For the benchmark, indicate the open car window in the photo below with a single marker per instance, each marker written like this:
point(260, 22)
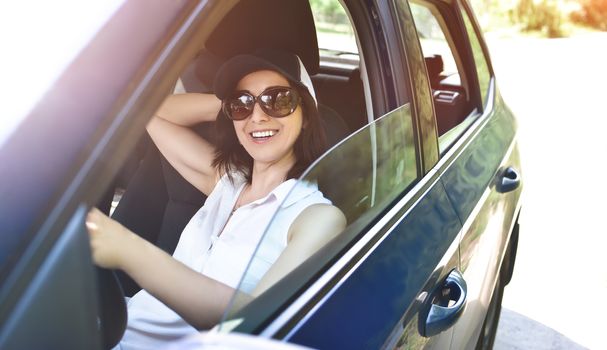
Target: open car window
point(362, 176)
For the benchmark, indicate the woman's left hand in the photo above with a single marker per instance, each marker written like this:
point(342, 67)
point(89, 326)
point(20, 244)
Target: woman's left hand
point(110, 241)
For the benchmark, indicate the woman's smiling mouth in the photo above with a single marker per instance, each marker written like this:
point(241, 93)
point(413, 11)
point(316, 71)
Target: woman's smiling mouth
point(262, 135)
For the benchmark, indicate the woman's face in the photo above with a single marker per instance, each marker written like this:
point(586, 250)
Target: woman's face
point(268, 140)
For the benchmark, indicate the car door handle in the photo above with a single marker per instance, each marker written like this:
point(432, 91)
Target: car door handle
point(508, 180)
point(446, 304)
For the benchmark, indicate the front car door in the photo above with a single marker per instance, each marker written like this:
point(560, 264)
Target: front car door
point(382, 280)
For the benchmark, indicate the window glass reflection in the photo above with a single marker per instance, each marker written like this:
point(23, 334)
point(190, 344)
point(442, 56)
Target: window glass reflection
point(362, 176)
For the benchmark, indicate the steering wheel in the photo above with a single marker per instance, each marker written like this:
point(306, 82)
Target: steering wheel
point(112, 314)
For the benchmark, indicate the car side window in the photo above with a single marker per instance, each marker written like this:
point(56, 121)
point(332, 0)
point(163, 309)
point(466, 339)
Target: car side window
point(362, 176)
point(451, 90)
point(438, 53)
point(482, 68)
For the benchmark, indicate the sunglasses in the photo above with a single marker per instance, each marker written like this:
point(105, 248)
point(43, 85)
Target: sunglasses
point(276, 101)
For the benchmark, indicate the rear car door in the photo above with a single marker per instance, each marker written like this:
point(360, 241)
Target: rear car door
point(483, 181)
point(478, 153)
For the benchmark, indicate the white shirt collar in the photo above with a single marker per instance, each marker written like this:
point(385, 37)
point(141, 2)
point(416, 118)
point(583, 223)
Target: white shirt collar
point(292, 191)
point(289, 192)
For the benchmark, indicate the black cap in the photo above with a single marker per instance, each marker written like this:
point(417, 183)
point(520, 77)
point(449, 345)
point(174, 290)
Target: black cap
point(283, 62)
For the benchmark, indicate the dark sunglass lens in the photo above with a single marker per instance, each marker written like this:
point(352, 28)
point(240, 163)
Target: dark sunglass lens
point(279, 102)
point(240, 107)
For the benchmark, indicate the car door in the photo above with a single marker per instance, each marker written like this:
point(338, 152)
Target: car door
point(483, 180)
point(478, 154)
point(383, 281)
point(58, 161)
point(390, 279)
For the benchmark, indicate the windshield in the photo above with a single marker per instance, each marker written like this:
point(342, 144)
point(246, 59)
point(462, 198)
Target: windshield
point(361, 176)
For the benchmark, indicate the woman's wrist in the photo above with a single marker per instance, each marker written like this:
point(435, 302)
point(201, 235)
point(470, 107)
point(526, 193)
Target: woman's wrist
point(141, 258)
point(131, 248)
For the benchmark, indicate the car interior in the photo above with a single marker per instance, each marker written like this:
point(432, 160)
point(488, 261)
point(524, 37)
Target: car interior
point(150, 198)
point(155, 201)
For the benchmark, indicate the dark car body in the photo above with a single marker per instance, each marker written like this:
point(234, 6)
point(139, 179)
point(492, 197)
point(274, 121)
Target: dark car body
point(428, 176)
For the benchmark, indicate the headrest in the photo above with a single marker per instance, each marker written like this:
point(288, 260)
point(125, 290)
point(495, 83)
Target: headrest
point(277, 24)
point(206, 67)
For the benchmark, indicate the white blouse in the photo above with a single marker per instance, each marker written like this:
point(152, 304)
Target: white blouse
point(223, 256)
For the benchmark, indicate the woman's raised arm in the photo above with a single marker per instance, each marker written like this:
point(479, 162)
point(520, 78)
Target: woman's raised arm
point(188, 153)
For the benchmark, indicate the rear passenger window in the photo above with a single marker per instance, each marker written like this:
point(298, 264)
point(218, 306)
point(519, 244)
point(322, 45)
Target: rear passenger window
point(451, 91)
point(438, 54)
point(480, 61)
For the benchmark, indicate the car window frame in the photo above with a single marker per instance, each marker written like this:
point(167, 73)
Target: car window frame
point(462, 40)
point(453, 26)
point(419, 84)
point(481, 115)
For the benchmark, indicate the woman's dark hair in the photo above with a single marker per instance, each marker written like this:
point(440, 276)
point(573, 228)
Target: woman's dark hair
point(231, 157)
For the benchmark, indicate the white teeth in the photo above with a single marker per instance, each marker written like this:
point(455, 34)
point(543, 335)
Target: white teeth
point(267, 133)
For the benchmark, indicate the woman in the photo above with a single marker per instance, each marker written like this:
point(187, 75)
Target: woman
point(269, 132)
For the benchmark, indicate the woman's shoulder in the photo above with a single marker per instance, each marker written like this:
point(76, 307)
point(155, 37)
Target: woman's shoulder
point(302, 193)
point(306, 203)
point(316, 222)
point(321, 212)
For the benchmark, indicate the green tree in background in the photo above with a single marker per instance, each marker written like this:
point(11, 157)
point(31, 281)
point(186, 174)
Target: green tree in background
point(329, 11)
